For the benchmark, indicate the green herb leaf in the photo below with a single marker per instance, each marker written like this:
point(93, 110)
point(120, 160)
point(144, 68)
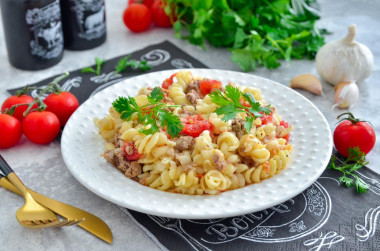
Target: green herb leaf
point(258, 33)
point(124, 63)
point(230, 105)
point(98, 62)
point(347, 181)
point(152, 116)
point(126, 107)
point(348, 169)
point(360, 185)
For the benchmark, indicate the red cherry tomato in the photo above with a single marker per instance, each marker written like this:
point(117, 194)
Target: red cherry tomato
point(130, 151)
point(41, 127)
point(168, 82)
point(195, 125)
point(207, 85)
point(353, 132)
point(10, 131)
point(159, 16)
point(137, 17)
point(147, 3)
point(62, 105)
point(14, 100)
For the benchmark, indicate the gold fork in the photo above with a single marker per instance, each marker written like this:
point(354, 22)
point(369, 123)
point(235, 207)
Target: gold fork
point(58, 223)
point(31, 214)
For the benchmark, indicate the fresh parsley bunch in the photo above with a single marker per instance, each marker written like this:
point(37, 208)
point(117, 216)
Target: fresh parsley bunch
point(257, 32)
point(153, 116)
point(230, 105)
point(355, 160)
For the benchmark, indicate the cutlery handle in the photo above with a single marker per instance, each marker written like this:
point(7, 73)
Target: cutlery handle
point(4, 182)
point(4, 167)
point(10, 174)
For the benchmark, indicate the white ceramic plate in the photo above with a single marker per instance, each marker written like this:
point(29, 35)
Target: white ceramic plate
point(311, 139)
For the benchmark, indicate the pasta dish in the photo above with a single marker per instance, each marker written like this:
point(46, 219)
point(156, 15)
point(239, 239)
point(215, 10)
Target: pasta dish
point(195, 136)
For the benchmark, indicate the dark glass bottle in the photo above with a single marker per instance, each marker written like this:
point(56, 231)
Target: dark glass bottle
point(84, 23)
point(33, 33)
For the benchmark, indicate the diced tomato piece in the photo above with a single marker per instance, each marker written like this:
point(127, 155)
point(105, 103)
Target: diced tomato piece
point(244, 102)
point(284, 123)
point(287, 137)
point(129, 147)
point(195, 125)
point(168, 82)
point(266, 119)
point(207, 85)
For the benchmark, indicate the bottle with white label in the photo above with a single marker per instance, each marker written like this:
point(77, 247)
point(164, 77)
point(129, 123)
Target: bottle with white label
point(84, 23)
point(33, 33)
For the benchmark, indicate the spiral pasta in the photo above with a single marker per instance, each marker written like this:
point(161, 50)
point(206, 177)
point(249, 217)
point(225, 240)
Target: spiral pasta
point(210, 156)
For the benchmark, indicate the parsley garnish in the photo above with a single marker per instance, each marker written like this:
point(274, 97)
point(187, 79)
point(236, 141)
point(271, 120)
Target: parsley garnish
point(355, 160)
point(99, 62)
point(230, 105)
point(153, 116)
point(124, 63)
point(257, 32)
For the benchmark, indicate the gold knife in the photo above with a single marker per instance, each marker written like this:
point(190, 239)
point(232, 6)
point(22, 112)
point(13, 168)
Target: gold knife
point(91, 223)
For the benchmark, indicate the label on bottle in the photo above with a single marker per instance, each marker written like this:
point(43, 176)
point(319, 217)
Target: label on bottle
point(46, 30)
point(90, 18)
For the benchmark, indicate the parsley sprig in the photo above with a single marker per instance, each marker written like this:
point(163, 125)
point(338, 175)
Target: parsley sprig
point(356, 159)
point(230, 105)
point(98, 62)
point(153, 116)
point(124, 63)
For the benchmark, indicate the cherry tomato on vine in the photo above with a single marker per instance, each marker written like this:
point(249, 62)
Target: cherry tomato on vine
point(195, 125)
point(41, 127)
point(352, 132)
point(137, 17)
point(208, 85)
point(160, 18)
point(10, 131)
point(147, 3)
point(62, 105)
point(130, 151)
point(15, 100)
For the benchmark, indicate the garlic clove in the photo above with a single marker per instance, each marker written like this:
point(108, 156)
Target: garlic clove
point(307, 82)
point(346, 95)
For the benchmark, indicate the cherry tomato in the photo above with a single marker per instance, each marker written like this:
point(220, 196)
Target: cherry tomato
point(208, 85)
point(195, 125)
point(352, 132)
point(135, 155)
point(137, 17)
point(41, 127)
point(159, 16)
point(168, 82)
point(147, 3)
point(62, 105)
point(14, 100)
point(10, 131)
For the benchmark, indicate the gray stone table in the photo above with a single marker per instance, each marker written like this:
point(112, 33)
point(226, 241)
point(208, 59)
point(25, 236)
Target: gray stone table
point(41, 166)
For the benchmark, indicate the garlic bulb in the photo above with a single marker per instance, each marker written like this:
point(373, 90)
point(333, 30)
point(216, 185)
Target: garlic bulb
point(344, 60)
point(346, 95)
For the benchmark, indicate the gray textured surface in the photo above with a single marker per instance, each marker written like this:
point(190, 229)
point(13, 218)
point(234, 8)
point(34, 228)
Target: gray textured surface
point(42, 167)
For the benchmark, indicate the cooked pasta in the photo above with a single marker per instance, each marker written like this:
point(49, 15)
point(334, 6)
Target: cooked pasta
point(210, 155)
